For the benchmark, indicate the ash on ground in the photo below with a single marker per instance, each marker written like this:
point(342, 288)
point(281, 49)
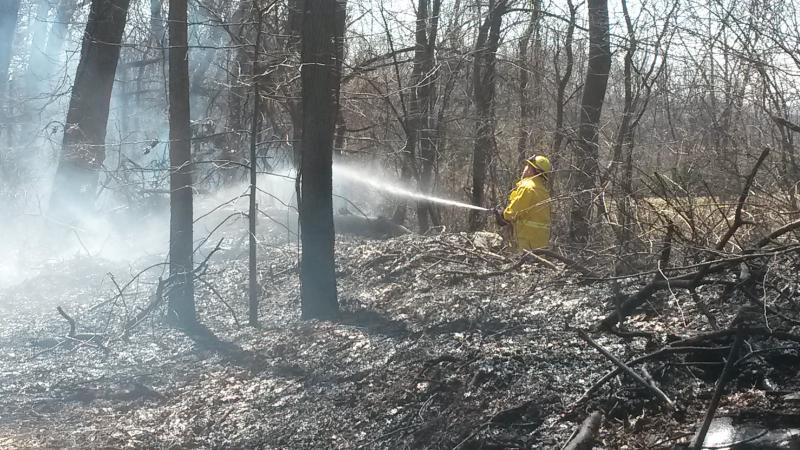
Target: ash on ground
point(445, 341)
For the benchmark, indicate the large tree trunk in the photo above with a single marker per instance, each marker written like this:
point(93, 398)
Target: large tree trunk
point(83, 145)
point(322, 34)
point(8, 25)
point(483, 95)
point(586, 149)
point(181, 293)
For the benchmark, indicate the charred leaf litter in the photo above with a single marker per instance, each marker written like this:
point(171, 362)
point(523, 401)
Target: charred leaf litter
point(445, 341)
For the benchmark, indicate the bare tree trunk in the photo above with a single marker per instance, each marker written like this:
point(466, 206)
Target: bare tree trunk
point(624, 141)
point(83, 145)
point(524, 125)
point(37, 62)
point(181, 294)
point(483, 94)
point(252, 213)
point(59, 32)
point(586, 149)
point(322, 33)
point(294, 30)
point(232, 153)
point(341, 126)
point(156, 22)
point(563, 81)
point(424, 86)
point(8, 26)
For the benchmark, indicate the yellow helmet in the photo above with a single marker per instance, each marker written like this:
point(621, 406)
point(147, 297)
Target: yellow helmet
point(540, 163)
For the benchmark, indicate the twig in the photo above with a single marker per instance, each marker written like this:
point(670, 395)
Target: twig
point(48, 349)
point(219, 297)
point(697, 442)
point(737, 217)
point(80, 241)
point(569, 262)
point(201, 268)
point(125, 286)
point(652, 388)
point(69, 319)
point(753, 353)
point(539, 259)
point(154, 302)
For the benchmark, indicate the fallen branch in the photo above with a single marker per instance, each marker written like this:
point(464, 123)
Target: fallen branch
point(697, 442)
point(687, 281)
point(583, 438)
point(686, 345)
point(695, 279)
point(652, 388)
point(82, 338)
point(789, 227)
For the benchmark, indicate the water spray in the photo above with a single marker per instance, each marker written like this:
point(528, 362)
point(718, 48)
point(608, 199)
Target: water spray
point(383, 185)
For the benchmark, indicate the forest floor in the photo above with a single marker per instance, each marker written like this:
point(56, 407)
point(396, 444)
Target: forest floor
point(445, 341)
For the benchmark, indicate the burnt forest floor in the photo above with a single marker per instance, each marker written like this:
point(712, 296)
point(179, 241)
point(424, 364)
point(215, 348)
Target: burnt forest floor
point(444, 342)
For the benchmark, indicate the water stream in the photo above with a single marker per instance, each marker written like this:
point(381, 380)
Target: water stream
point(359, 176)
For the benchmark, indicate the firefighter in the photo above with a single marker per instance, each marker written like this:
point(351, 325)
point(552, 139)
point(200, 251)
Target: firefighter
point(528, 210)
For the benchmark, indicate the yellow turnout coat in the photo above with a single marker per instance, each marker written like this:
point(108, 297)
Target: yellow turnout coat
point(528, 211)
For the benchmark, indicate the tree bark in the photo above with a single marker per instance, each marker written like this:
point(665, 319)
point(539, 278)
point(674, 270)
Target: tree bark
point(586, 147)
point(37, 62)
point(525, 110)
point(483, 95)
point(156, 23)
point(563, 81)
point(83, 144)
point(8, 26)
point(425, 90)
point(181, 294)
point(59, 32)
point(294, 31)
point(232, 153)
point(252, 214)
point(322, 34)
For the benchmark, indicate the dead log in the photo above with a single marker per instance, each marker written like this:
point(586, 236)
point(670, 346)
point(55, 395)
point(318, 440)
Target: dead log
point(583, 438)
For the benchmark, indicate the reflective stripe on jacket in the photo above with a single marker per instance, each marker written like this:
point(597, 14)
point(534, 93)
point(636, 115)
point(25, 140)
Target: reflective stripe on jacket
point(528, 211)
